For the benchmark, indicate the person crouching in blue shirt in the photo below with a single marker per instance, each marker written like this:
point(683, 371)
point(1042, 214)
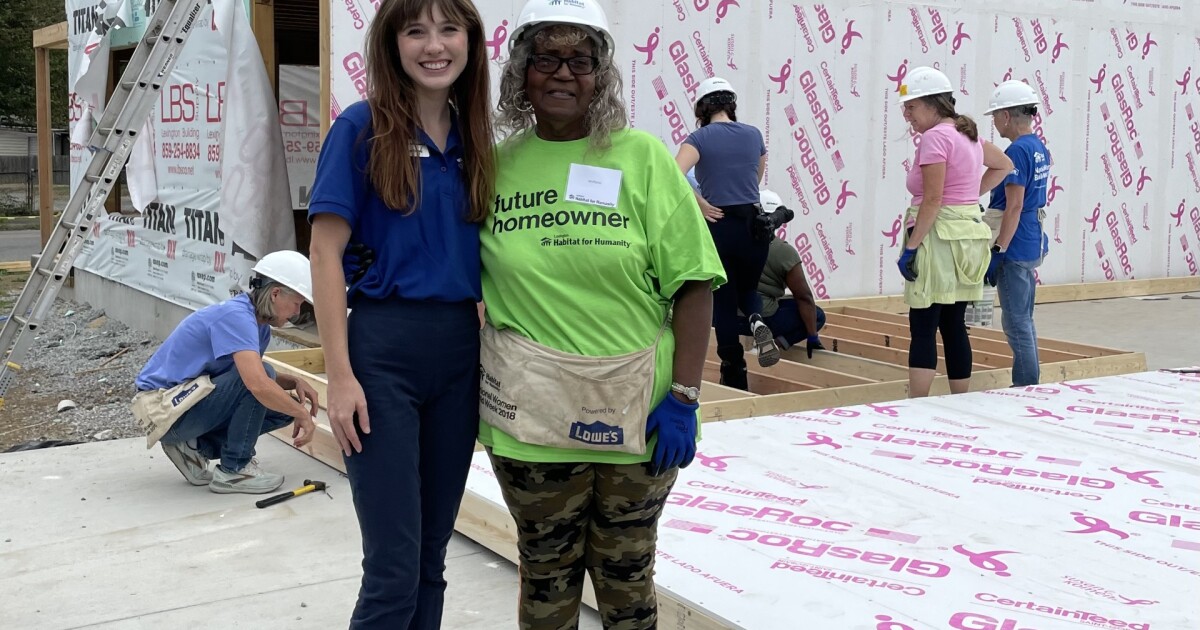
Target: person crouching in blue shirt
point(206, 394)
point(1020, 241)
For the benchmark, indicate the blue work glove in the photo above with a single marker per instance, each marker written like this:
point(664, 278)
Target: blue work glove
point(675, 422)
point(908, 264)
point(990, 277)
point(814, 343)
point(356, 259)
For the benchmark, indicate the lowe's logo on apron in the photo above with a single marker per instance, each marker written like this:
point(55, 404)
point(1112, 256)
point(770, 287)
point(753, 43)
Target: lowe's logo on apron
point(181, 396)
point(597, 433)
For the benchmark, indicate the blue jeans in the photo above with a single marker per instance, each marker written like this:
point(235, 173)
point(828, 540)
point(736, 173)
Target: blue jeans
point(786, 323)
point(226, 423)
point(418, 364)
point(1016, 284)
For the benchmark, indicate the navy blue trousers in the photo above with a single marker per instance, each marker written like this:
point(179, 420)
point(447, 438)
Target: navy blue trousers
point(418, 364)
point(743, 258)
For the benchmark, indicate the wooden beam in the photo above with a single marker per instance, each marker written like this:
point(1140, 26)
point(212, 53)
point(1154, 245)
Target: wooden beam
point(326, 26)
point(45, 146)
point(1048, 294)
point(311, 360)
point(847, 364)
point(262, 19)
point(759, 383)
point(984, 332)
point(794, 371)
point(978, 355)
point(51, 37)
point(712, 391)
point(985, 342)
point(317, 381)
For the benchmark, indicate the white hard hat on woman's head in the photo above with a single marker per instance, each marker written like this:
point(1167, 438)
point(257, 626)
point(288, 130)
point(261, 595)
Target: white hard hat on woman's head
point(769, 200)
point(712, 85)
point(924, 81)
point(587, 14)
point(289, 268)
point(1012, 93)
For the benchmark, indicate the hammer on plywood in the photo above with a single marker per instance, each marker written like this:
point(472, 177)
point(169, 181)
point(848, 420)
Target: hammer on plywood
point(309, 486)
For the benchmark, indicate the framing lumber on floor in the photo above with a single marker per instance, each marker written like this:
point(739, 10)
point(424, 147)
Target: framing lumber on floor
point(1045, 294)
point(870, 368)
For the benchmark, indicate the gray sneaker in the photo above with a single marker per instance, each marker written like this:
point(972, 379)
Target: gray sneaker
point(764, 342)
point(190, 462)
point(249, 480)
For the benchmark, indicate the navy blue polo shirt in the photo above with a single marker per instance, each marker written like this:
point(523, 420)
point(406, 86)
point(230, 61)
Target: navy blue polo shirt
point(1031, 169)
point(429, 254)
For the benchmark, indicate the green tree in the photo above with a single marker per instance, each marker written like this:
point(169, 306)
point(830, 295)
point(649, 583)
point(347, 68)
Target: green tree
point(18, 93)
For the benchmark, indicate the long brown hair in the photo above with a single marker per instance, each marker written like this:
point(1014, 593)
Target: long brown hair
point(392, 97)
point(944, 105)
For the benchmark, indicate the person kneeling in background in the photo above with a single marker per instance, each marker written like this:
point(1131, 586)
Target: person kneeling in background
point(206, 393)
point(794, 318)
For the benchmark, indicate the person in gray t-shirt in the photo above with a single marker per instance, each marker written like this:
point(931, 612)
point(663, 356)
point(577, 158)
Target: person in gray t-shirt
point(729, 158)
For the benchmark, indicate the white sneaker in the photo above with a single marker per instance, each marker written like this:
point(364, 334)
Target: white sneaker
point(249, 480)
point(764, 342)
point(190, 462)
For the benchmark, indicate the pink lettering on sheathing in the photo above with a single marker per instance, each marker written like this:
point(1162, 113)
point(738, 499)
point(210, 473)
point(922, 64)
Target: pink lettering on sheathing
point(986, 560)
point(817, 439)
point(689, 526)
point(1080, 387)
point(1186, 544)
point(891, 454)
point(1093, 525)
point(1116, 425)
point(1142, 476)
point(887, 623)
point(1035, 412)
point(891, 535)
point(1055, 460)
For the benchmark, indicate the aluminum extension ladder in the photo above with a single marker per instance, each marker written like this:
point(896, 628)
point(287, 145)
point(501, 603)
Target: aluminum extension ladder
point(132, 101)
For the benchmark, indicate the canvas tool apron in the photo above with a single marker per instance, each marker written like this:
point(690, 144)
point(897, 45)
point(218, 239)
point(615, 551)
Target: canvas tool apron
point(157, 410)
point(547, 397)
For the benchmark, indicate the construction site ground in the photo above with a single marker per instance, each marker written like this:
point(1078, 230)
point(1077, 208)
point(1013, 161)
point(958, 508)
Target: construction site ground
point(108, 535)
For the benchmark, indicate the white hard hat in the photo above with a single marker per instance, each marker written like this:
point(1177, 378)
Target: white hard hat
point(1012, 93)
point(712, 85)
point(288, 268)
point(588, 14)
point(924, 81)
point(769, 200)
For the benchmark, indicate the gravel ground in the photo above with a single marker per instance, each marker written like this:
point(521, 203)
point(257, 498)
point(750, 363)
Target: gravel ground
point(84, 357)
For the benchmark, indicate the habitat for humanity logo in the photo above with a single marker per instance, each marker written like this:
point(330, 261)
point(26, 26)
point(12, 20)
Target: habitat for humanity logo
point(578, 4)
point(597, 433)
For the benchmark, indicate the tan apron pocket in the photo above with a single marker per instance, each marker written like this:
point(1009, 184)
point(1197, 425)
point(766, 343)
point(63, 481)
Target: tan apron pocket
point(546, 397)
point(158, 410)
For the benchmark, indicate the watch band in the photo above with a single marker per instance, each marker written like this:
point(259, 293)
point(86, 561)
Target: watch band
point(691, 393)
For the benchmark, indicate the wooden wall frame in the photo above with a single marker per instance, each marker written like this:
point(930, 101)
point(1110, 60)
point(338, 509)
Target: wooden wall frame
point(865, 364)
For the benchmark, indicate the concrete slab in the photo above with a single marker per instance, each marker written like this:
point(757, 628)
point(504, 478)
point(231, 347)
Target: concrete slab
point(1161, 326)
point(109, 535)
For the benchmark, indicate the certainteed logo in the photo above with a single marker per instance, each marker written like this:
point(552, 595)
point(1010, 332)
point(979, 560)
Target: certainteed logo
point(597, 433)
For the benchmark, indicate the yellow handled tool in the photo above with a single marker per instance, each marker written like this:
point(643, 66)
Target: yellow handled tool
point(309, 486)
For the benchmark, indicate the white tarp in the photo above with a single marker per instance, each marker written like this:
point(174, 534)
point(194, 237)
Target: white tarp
point(820, 80)
point(1057, 506)
point(218, 189)
point(299, 117)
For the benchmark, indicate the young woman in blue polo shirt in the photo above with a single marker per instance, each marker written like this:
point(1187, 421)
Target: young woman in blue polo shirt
point(407, 174)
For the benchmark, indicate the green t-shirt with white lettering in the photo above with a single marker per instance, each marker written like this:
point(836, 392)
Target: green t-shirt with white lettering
point(582, 252)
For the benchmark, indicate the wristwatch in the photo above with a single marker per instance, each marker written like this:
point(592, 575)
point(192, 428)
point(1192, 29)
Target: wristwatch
point(996, 249)
point(691, 393)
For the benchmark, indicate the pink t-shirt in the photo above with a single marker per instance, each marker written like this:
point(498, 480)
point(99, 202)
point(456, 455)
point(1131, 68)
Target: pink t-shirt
point(964, 165)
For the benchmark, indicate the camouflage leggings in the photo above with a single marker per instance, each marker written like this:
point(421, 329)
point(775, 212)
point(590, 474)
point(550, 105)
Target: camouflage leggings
point(571, 518)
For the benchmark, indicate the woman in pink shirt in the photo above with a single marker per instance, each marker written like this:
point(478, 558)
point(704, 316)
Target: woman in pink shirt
point(946, 249)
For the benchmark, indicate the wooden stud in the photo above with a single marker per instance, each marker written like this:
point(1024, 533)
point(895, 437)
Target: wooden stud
point(847, 364)
point(760, 383)
point(816, 376)
point(45, 147)
point(711, 391)
point(885, 340)
point(51, 37)
point(262, 19)
point(325, 25)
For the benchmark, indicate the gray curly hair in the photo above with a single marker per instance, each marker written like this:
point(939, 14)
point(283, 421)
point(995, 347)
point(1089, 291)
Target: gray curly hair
point(606, 113)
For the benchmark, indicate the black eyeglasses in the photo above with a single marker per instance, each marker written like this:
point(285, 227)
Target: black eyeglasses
point(549, 64)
